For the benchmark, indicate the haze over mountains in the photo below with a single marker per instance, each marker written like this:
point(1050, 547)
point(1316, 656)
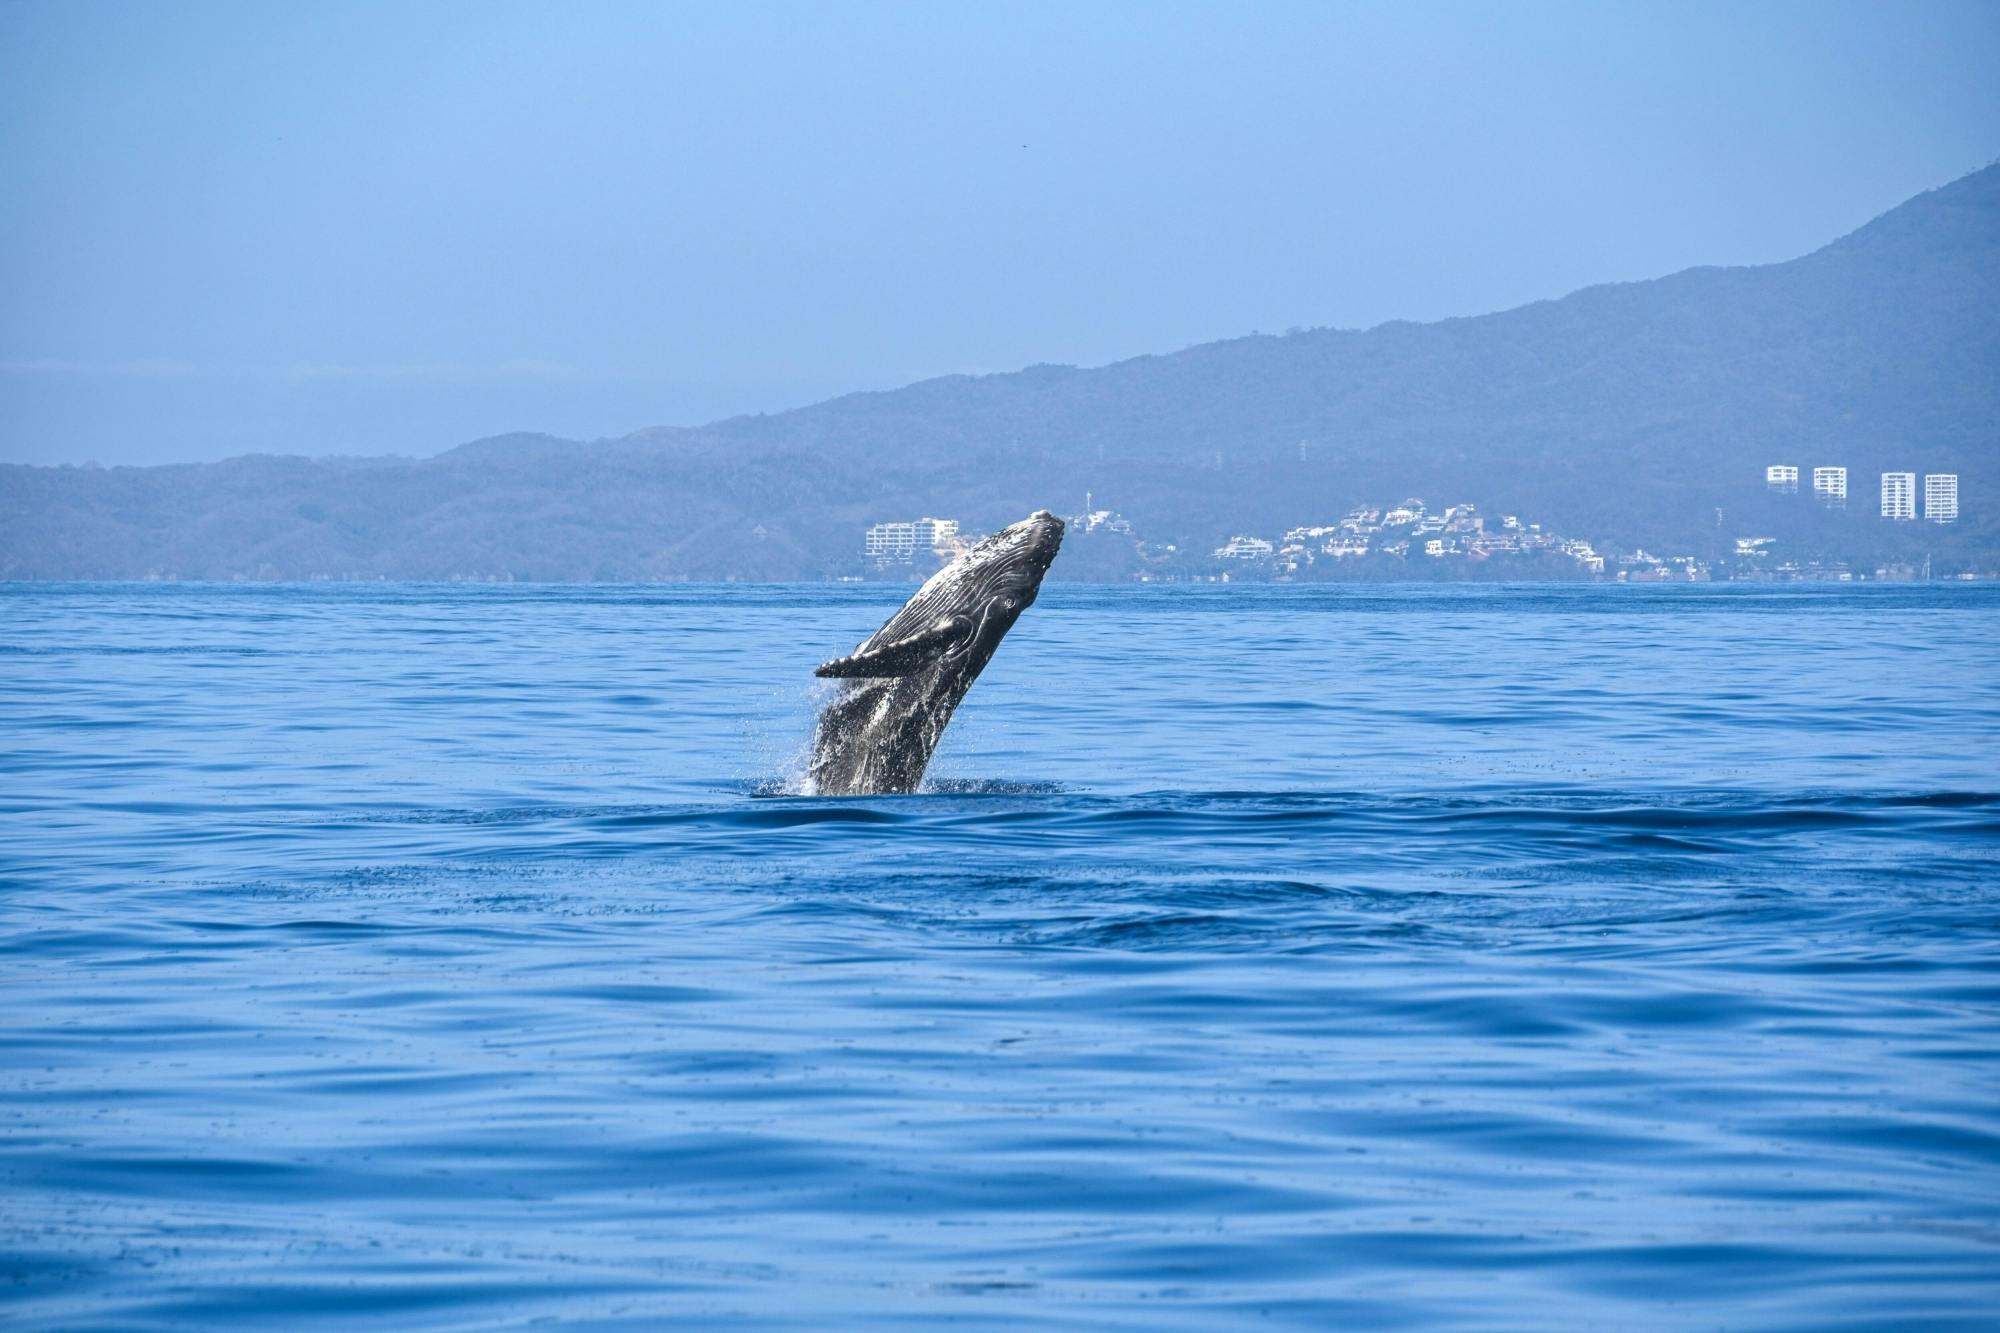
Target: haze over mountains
point(1627, 414)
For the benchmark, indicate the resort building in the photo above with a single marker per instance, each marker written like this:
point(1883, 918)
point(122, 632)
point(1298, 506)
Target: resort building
point(898, 543)
point(1783, 478)
point(890, 543)
point(1830, 485)
point(1586, 555)
point(943, 533)
point(1899, 495)
point(1245, 548)
point(1941, 497)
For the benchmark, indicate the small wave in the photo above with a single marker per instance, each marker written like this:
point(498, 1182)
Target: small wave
point(992, 787)
point(798, 788)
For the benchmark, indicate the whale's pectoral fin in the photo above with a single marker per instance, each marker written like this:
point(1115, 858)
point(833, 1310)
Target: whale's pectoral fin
point(904, 655)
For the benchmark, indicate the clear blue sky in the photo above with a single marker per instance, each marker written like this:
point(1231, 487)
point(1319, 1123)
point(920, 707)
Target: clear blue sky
point(354, 228)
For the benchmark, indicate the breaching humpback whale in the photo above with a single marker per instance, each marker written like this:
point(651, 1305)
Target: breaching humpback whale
point(900, 687)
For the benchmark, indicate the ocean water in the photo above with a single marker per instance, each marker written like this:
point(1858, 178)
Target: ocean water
point(433, 957)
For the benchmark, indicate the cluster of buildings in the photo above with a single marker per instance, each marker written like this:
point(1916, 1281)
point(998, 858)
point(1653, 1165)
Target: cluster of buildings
point(1411, 532)
point(1899, 491)
point(1460, 532)
point(899, 543)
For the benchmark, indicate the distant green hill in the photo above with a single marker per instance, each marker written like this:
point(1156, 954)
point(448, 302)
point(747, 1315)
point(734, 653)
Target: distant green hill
point(1627, 414)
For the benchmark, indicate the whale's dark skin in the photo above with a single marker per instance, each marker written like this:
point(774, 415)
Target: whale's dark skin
point(902, 684)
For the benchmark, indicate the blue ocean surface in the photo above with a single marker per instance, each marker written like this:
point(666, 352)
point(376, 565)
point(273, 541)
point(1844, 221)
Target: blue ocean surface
point(1419, 957)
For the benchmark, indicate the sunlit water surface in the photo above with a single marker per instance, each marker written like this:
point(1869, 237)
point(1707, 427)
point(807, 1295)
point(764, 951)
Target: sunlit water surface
point(1429, 957)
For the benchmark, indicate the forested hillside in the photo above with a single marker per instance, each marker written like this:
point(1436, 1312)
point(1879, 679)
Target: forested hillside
point(1626, 414)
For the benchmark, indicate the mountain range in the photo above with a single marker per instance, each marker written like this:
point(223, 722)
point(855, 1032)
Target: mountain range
point(1626, 414)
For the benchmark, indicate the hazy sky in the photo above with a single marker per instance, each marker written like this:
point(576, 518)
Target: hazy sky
point(351, 228)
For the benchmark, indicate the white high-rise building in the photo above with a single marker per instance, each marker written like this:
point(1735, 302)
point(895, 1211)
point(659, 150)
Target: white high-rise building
point(891, 543)
point(1783, 478)
point(1899, 495)
point(1941, 497)
point(898, 543)
point(1830, 484)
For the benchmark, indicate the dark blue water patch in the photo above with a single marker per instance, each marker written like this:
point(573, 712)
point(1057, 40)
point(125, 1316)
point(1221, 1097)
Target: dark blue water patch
point(447, 957)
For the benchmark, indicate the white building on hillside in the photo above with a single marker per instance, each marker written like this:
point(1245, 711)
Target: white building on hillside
point(1245, 548)
point(890, 543)
point(1092, 519)
point(1830, 485)
point(1783, 478)
point(1585, 554)
point(1941, 497)
point(898, 543)
point(1899, 495)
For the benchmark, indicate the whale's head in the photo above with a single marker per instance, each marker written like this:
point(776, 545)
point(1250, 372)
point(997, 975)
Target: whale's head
point(1006, 569)
point(960, 615)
